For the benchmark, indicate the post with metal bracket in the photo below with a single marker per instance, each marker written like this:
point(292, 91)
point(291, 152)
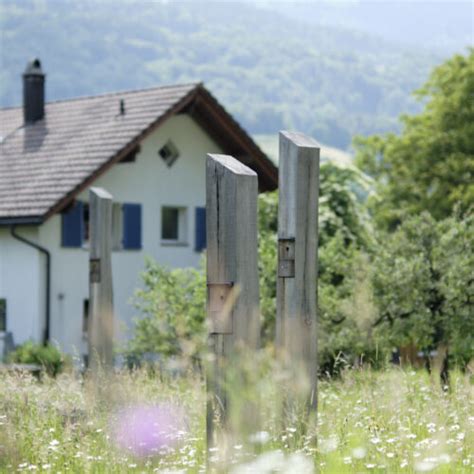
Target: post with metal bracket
point(232, 281)
point(101, 315)
point(296, 333)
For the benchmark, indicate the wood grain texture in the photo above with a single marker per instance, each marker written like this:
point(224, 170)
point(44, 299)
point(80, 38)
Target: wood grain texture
point(101, 317)
point(232, 261)
point(296, 331)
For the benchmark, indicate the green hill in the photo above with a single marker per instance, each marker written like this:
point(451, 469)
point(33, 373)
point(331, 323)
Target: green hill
point(270, 71)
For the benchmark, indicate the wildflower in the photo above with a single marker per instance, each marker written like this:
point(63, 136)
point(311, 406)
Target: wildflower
point(390, 455)
point(359, 453)
point(444, 458)
point(145, 430)
point(329, 444)
point(375, 440)
point(370, 466)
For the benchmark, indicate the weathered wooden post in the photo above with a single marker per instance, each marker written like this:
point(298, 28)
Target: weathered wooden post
point(232, 279)
point(297, 263)
point(101, 317)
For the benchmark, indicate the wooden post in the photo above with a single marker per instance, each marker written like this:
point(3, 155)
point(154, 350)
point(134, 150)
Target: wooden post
point(296, 334)
point(232, 278)
point(101, 316)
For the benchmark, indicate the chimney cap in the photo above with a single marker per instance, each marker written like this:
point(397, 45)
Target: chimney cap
point(33, 68)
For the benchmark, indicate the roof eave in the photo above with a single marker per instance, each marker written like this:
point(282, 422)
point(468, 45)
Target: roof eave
point(21, 220)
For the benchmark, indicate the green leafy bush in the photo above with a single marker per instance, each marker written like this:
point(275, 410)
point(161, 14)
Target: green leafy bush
point(49, 357)
point(172, 305)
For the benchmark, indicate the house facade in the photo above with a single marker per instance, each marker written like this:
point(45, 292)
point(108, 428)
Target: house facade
point(147, 149)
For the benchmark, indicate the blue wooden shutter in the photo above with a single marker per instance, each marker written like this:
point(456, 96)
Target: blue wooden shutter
point(200, 243)
point(72, 225)
point(132, 226)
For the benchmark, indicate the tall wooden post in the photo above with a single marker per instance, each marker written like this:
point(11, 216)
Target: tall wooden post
point(232, 278)
point(101, 316)
point(297, 262)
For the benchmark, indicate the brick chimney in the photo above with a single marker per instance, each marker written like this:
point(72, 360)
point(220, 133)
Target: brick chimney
point(33, 92)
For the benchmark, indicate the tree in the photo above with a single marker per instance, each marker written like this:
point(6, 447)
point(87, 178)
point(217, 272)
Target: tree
point(424, 286)
point(172, 302)
point(430, 165)
point(346, 312)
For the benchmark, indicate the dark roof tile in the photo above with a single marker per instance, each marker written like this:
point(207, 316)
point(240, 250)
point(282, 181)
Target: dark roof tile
point(42, 162)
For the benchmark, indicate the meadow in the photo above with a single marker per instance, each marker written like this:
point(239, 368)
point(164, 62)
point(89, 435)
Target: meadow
point(395, 421)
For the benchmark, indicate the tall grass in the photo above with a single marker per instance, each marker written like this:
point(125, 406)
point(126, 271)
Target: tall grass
point(389, 421)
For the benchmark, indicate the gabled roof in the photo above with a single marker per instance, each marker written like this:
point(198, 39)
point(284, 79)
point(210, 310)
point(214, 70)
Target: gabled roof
point(43, 166)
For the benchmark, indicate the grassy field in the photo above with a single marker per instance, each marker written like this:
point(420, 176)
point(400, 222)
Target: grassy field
point(394, 421)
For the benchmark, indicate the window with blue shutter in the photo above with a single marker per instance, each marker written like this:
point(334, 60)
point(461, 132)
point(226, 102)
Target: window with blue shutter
point(200, 243)
point(72, 225)
point(132, 226)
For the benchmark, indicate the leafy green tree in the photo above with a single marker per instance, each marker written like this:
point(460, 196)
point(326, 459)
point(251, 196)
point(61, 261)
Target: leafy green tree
point(346, 312)
point(430, 165)
point(424, 286)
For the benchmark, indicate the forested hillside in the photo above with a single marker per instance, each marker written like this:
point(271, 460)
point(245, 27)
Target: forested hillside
point(270, 71)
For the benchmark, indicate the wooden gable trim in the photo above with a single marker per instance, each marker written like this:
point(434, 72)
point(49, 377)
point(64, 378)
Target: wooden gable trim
point(64, 202)
point(226, 132)
point(215, 120)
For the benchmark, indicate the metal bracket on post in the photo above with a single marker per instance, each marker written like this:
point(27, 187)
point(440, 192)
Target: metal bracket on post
point(219, 311)
point(286, 258)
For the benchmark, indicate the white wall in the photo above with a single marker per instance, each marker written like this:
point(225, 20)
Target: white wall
point(150, 182)
point(22, 283)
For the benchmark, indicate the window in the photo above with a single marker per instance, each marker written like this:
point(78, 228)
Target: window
point(169, 153)
point(3, 314)
point(174, 225)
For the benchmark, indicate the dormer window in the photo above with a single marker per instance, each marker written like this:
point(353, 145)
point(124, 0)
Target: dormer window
point(131, 156)
point(169, 153)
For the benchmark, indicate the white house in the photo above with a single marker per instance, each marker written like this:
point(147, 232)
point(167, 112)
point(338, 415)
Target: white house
point(147, 148)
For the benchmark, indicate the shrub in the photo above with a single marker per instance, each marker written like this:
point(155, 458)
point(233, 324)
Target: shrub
point(173, 309)
point(49, 357)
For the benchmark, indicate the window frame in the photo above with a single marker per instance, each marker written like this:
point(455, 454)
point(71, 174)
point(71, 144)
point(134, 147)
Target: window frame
point(183, 228)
